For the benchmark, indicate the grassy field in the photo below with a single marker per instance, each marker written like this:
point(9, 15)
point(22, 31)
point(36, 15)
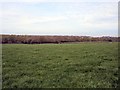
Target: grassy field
point(84, 65)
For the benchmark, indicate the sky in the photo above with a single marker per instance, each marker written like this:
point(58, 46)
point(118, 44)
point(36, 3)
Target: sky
point(88, 18)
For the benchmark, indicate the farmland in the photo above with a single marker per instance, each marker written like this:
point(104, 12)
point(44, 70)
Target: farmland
point(82, 65)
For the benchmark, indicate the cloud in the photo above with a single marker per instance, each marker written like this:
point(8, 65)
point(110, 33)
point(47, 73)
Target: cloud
point(25, 18)
point(18, 21)
point(103, 16)
point(40, 19)
point(72, 19)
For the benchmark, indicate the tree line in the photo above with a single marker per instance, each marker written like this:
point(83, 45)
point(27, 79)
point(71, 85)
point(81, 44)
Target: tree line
point(30, 39)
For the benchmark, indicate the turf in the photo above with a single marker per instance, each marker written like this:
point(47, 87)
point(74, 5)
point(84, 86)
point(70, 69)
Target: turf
point(82, 65)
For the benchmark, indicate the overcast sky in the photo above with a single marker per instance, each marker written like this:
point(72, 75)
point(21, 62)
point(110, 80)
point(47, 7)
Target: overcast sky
point(60, 18)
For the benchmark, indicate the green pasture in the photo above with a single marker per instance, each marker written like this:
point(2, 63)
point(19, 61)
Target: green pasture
point(81, 65)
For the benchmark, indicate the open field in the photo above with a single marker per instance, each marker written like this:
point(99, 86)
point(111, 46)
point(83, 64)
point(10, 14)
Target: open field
point(84, 65)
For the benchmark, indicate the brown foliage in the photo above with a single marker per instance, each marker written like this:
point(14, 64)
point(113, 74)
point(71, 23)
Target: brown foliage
point(29, 39)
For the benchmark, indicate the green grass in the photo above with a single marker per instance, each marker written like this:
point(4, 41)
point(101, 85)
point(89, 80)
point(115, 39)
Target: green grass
point(84, 65)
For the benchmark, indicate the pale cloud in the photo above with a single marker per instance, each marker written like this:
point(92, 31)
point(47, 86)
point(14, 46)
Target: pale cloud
point(18, 17)
point(102, 17)
point(41, 19)
point(20, 21)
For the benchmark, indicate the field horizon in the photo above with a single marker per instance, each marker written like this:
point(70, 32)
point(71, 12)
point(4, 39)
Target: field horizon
point(59, 44)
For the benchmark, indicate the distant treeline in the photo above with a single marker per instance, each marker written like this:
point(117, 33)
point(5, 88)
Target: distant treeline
point(30, 39)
